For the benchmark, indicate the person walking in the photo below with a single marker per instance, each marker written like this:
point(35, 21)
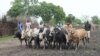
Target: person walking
point(88, 28)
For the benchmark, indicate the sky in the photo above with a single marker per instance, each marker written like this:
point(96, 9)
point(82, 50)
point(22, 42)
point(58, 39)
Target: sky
point(4, 6)
point(78, 8)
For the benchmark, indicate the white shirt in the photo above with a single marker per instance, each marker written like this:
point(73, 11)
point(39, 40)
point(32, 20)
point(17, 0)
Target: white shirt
point(28, 25)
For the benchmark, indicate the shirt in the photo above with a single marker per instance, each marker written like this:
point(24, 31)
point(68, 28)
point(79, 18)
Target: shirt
point(28, 25)
point(19, 27)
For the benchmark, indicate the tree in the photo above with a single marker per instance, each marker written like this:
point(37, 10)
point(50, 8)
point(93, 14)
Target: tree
point(77, 21)
point(16, 9)
point(59, 14)
point(52, 22)
point(21, 7)
point(70, 18)
point(48, 11)
point(95, 20)
point(28, 4)
point(45, 10)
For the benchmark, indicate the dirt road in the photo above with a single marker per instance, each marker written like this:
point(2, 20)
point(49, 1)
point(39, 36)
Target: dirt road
point(13, 48)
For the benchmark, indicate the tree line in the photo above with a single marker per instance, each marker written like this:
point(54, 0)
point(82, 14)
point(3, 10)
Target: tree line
point(50, 13)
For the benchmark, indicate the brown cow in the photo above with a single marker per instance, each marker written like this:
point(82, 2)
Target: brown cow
point(77, 35)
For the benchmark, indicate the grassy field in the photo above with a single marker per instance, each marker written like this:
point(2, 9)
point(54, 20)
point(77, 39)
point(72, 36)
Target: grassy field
point(4, 38)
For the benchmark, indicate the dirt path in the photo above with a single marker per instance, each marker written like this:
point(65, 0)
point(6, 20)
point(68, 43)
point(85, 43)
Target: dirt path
point(12, 48)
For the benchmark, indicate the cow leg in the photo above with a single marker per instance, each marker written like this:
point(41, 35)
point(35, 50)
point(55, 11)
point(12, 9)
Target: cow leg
point(69, 44)
point(61, 44)
point(26, 42)
point(77, 44)
point(30, 41)
point(38, 46)
point(20, 42)
point(87, 39)
point(54, 44)
point(48, 44)
point(37, 42)
point(30, 44)
point(83, 41)
point(57, 45)
point(45, 44)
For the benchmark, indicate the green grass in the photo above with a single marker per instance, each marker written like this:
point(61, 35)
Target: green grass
point(5, 38)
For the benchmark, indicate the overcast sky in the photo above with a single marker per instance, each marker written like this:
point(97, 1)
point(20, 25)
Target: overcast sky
point(75, 7)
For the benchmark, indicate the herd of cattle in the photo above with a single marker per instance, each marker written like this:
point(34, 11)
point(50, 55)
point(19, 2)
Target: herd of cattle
point(53, 37)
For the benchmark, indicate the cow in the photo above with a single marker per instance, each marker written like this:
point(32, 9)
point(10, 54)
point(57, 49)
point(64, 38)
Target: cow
point(40, 35)
point(35, 37)
point(67, 28)
point(48, 36)
point(19, 35)
point(29, 35)
point(59, 37)
point(76, 36)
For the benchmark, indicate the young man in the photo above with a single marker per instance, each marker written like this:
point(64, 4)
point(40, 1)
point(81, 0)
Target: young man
point(19, 27)
point(28, 25)
point(88, 28)
point(41, 27)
